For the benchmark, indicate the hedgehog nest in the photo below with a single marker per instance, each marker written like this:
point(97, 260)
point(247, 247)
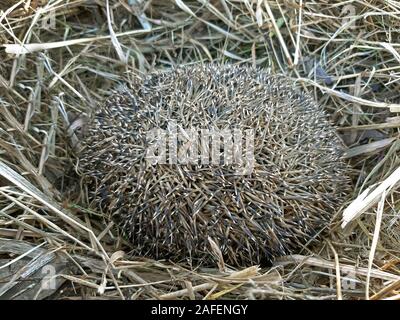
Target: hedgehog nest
point(202, 213)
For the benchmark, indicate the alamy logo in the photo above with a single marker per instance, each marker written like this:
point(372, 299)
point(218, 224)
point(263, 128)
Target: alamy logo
point(349, 19)
point(49, 20)
point(349, 281)
point(48, 280)
point(177, 145)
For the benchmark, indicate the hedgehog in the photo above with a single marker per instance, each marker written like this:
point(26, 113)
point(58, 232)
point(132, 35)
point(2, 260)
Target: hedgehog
point(264, 195)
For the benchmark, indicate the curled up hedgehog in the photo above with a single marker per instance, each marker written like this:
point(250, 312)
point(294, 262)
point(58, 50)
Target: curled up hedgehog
point(206, 162)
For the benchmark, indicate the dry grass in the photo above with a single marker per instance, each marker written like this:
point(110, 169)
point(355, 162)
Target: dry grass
point(345, 53)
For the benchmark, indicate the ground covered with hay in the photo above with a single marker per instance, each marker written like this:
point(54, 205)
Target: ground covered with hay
point(59, 59)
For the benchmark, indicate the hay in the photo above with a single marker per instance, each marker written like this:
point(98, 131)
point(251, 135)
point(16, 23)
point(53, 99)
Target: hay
point(344, 54)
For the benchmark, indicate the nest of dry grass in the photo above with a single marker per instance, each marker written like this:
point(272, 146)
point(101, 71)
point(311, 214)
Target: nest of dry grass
point(345, 54)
